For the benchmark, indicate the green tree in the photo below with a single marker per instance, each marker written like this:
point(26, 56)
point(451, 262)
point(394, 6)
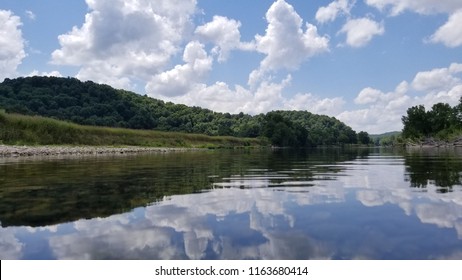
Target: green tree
point(416, 122)
point(363, 138)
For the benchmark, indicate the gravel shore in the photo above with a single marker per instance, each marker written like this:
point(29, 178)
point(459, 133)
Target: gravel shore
point(29, 151)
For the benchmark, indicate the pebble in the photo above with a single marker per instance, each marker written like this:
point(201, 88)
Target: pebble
point(28, 151)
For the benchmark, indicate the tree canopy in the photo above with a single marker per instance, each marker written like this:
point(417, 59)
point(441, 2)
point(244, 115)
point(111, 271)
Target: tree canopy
point(440, 121)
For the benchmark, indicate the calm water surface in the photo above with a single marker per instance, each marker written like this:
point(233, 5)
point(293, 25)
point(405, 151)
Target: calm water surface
point(299, 204)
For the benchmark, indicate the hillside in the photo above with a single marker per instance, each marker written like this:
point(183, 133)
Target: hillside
point(18, 129)
point(88, 103)
point(386, 139)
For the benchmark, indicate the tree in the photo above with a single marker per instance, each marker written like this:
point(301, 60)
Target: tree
point(441, 117)
point(363, 138)
point(416, 123)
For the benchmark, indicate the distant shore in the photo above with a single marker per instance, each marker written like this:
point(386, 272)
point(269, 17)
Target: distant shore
point(30, 151)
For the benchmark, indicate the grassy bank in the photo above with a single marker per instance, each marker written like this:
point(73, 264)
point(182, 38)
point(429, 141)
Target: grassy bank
point(34, 130)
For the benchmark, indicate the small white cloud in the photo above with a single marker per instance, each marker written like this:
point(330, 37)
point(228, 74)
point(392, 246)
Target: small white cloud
point(333, 10)
point(225, 34)
point(11, 44)
point(359, 32)
point(31, 15)
point(368, 95)
point(450, 34)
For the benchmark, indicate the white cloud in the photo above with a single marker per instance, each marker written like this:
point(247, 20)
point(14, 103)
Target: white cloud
point(286, 46)
point(182, 78)
point(285, 43)
point(225, 34)
point(10, 247)
point(125, 40)
point(418, 6)
point(385, 109)
point(31, 15)
point(359, 32)
point(437, 79)
point(11, 44)
point(450, 34)
point(368, 95)
point(221, 97)
point(47, 74)
point(314, 104)
point(334, 9)
point(268, 96)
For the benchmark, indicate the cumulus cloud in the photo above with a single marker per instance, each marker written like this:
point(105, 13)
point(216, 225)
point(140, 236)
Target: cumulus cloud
point(225, 34)
point(285, 44)
point(10, 247)
point(181, 79)
point(333, 10)
point(314, 104)
point(359, 32)
point(222, 97)
point(268, 96)
point(450, 34)
point(125, 40)
point(385, 109)
point(368, 95)
point(11, 44)
point(438, 79)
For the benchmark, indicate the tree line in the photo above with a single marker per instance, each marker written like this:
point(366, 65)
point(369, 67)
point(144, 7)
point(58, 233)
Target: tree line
point(89, 103)
point(441, 121)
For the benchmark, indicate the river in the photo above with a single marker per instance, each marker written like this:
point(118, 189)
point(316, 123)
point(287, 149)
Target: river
point(330, 203)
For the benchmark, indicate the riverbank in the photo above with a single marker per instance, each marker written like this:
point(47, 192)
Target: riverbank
point(431, 142)
point(33, 131)
point(31, 151)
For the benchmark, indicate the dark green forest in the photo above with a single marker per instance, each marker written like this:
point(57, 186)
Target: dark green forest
point(88, 103)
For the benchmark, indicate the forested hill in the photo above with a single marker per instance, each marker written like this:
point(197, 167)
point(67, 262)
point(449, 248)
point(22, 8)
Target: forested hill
point(94, 104)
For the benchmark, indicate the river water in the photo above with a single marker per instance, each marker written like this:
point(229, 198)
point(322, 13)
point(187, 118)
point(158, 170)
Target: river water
point(257, 204)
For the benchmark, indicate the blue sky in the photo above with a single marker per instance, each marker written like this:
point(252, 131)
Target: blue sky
point(364, 62)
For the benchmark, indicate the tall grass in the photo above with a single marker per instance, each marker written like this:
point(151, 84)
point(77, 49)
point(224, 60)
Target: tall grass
point(18, 129)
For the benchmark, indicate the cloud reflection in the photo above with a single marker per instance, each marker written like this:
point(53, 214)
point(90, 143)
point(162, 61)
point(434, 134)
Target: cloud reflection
point(10, 247)
point(347, 214)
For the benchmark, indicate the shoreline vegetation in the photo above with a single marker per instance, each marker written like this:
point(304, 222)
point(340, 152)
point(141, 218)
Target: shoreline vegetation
point(65, 112)
point(35, 135)
point(92, 104)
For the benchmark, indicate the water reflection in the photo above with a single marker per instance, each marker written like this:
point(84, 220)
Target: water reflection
point(323, 204)
point(439, 167)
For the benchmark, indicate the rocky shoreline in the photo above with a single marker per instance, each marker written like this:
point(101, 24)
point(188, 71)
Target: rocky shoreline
point(431, 142)
point(31, 151)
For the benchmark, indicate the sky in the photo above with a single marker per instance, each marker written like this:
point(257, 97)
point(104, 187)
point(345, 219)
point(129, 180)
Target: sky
point(364, 62)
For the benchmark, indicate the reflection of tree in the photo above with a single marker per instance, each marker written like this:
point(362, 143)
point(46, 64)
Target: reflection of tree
point(440, 168)
point(39, 193)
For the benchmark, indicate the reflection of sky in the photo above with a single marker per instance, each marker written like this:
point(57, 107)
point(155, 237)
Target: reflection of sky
point(367, 211)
